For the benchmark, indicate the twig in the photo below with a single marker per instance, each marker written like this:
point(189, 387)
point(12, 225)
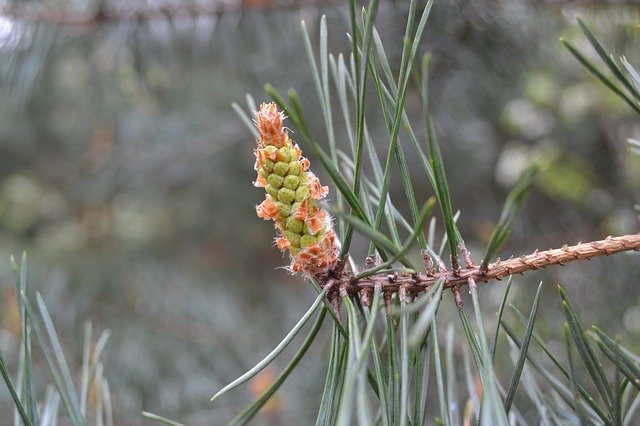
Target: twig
point(607, 3)
point(141, 12)
point(416, 283)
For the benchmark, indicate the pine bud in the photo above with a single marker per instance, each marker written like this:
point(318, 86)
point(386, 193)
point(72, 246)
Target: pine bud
point(292, 194)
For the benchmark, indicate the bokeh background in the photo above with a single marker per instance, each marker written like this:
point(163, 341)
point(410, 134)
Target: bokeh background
point(126, 176)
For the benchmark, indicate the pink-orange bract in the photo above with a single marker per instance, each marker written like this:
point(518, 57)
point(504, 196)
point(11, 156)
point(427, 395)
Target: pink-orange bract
point(292, 194)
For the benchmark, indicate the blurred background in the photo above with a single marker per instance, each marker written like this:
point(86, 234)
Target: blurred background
point(126, 176)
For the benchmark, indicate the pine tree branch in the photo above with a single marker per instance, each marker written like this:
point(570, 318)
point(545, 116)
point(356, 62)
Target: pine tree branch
point(340, 282)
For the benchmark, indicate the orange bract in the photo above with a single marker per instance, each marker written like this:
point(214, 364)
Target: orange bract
point(269, 123)
point(316, 190)
point(316, 222)
point(260, 182)
point(305, 164)
point(267, 209)
point(282, 243)
point(317, 258)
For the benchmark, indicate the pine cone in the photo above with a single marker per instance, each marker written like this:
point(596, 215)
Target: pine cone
point(292, 193)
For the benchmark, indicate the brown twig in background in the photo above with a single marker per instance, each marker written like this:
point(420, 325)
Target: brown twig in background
point(344, 282)
point(104, 13)
point(588, 2)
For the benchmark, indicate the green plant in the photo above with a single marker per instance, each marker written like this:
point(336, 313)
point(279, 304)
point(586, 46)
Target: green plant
point(380, 374)
point(91, 399)
point(386, 354)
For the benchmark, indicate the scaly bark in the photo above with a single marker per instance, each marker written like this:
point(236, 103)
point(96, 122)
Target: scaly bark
point(340, 281)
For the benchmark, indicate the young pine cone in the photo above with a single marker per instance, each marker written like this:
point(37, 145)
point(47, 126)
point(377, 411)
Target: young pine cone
point(291, 200)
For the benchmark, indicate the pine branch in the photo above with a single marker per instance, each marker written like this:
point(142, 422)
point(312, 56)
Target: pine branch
point(341, 282)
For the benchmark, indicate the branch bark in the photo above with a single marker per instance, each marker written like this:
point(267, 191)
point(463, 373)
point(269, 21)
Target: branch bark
point(341, 282)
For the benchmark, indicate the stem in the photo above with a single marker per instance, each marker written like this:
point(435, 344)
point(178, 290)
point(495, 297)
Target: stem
point(416, 283)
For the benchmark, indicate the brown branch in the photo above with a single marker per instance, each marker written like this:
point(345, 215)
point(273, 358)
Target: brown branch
point(39, 13)
point(607, 3)
point(344, 282)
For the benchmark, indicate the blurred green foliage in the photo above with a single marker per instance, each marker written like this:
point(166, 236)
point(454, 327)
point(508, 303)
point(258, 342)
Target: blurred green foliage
point(127, 177)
